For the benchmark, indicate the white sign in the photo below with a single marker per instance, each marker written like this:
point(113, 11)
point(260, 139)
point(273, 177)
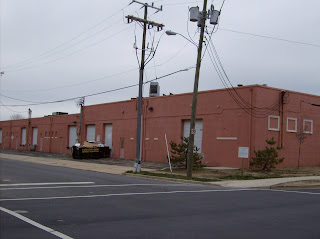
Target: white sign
point(243, 152)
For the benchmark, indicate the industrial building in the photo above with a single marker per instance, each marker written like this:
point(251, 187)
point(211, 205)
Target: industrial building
point(244, 116)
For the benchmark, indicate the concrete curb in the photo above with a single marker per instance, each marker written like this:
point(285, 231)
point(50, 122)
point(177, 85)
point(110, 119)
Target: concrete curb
point(170, 179)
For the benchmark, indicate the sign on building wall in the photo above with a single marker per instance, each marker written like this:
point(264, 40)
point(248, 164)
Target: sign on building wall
point(243, 152)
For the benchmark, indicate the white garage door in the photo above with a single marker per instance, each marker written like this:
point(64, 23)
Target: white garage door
point(108, 135)
point(91, 132)
point(72, 135)
point(23, 136)
point(198, 135)
point(34, 136)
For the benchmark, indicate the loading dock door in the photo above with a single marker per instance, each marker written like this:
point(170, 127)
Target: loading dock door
point(108, 135)
point(91, 132)
point(198, 135)
point(34, 136)
point(72, 135)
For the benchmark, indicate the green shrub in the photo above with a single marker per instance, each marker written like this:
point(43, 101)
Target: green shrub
point(179, 153)
point(266, 159)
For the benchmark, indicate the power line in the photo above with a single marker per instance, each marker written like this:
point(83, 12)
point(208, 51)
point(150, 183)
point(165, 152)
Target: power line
point(98, 79)
point(269, 37)
point(72, 52)
point(57, 47)
point(258, 112)
point(11, 109)
point(89, 95)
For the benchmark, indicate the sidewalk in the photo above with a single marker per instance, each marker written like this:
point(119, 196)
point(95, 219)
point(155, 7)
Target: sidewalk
point(120, 166)
point(112, 166)
point(268, 183)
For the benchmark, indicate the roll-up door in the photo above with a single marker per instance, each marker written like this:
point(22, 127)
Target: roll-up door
point(72, 135)
point(197, 136)
point(23, 136)
point(34, 136)
point(108, 135)
point(91, 132)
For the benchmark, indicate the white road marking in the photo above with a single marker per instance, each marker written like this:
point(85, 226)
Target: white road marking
point(39, 184)
point(123, 194)
point(96, 186)
point(33, 223)
point(154, 193)
point(290, 191)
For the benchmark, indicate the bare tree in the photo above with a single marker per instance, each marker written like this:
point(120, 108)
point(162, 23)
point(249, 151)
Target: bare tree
point(16, 117)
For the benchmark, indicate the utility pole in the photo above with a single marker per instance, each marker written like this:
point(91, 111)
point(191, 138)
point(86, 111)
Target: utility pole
point(80, 103)
point(201, 17)
point(1, 73)
point(149, 24)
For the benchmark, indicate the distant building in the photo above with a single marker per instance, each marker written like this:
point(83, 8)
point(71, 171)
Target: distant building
point(223, 125)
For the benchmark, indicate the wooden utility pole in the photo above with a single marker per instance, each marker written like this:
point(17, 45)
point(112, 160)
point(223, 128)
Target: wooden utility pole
point(149, 24)
point(195, 94)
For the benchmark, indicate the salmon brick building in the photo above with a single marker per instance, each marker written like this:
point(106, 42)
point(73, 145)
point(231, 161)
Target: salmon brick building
point(226, 119)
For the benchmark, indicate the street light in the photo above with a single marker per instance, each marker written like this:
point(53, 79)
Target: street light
point(172, 33)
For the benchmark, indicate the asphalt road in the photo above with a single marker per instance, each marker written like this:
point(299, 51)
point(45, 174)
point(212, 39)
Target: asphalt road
point(39, 201)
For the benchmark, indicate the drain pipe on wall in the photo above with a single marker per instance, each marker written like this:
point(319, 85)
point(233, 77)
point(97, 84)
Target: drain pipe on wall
point(165, 136)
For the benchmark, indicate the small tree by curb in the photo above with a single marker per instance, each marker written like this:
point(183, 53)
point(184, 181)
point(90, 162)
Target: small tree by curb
point(179, 153)
point(267, 159)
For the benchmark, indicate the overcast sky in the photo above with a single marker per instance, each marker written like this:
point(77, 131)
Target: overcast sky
point(59, 49)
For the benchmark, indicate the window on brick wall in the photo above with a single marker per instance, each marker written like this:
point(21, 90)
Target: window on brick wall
point(274, 123)
point(292, 125)
point(0, 136)
point(308, 126)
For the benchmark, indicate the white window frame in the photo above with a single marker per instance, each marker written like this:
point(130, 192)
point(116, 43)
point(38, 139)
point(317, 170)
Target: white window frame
point(304, 124)
point(273, 117)
point(295, 125)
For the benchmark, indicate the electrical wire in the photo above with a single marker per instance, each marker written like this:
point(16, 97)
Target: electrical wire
point(269, 37)
point(77, 84)
point(258, 112)
point(72, 52)
point(11, 109)
point(89, 95)
point(67, 42)
point(102, 78)
point(224, 72)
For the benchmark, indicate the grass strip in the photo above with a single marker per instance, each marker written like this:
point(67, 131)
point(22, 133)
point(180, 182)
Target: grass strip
point(167, 175)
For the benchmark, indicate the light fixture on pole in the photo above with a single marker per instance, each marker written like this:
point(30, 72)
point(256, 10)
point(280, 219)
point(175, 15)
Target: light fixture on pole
point(172, 33)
